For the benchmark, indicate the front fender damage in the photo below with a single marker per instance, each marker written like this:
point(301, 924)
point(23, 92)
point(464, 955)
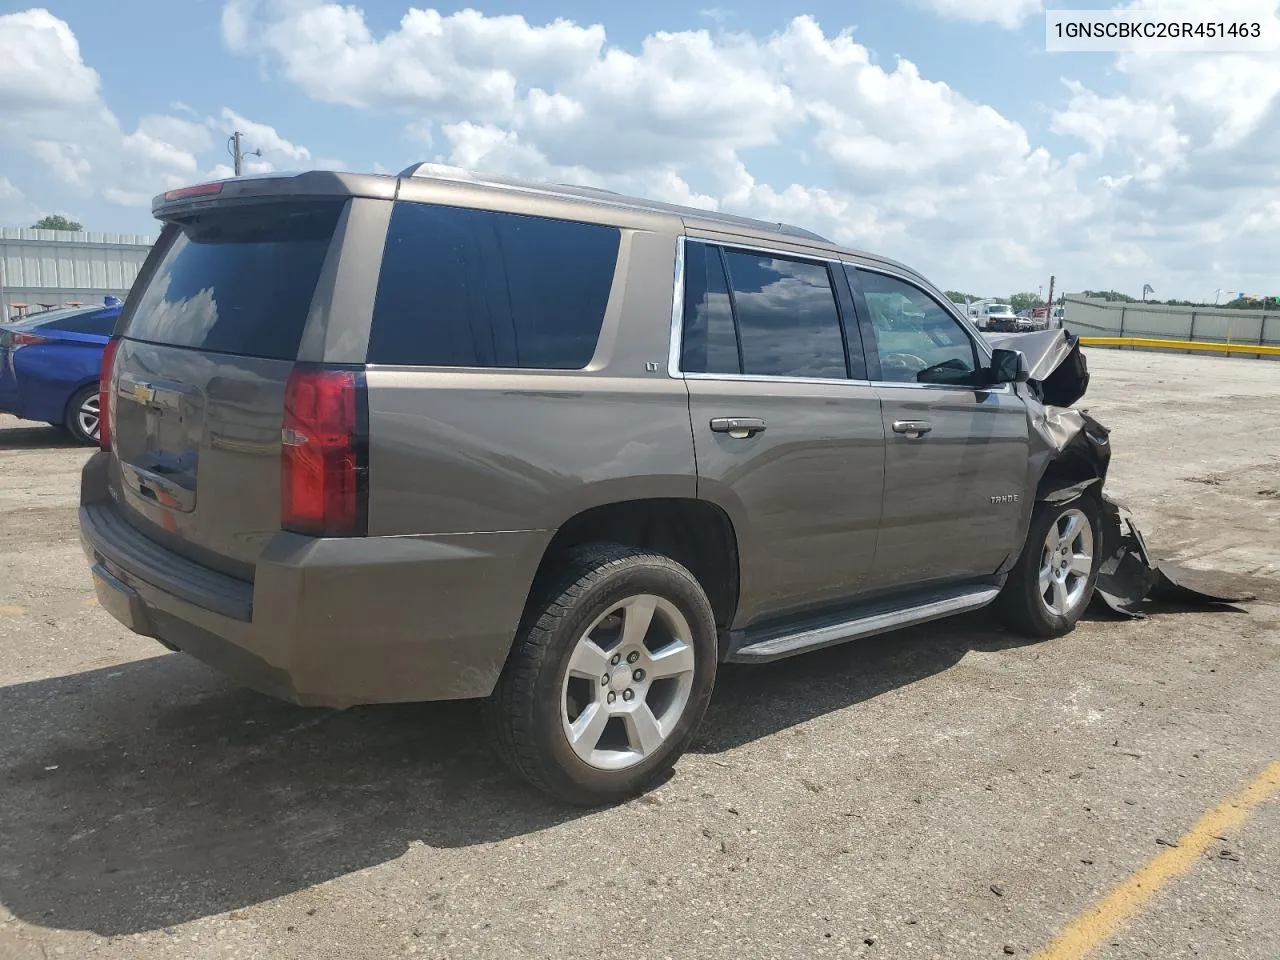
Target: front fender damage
point(1069, 455)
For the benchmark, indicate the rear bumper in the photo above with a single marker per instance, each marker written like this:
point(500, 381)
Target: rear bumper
point(325, 622)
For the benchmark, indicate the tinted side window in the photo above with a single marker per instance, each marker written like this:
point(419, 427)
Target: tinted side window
point(913, 332)
point(787, 317)
point(474, 288)
point(710, 340)
point(238, 281)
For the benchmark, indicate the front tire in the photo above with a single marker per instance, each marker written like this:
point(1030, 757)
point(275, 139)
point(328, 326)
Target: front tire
point(609, 677)
point(1052, 583)
point(83, 418)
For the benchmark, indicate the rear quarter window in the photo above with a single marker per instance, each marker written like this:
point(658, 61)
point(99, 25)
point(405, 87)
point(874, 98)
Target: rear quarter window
point(98, 324)
point(476, 288)
point(237, 281)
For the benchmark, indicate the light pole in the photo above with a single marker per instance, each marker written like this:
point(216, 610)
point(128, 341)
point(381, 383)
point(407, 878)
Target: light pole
point(238, 155)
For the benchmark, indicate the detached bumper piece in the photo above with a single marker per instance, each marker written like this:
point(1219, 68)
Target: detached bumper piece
point(1130, 582)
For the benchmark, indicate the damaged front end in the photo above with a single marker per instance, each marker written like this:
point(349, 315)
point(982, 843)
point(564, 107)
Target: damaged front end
point(1069, 454)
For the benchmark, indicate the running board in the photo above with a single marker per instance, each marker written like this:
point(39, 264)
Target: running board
point(881, 621)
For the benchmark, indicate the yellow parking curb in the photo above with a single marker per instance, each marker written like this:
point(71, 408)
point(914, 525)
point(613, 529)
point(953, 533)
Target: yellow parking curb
point(1262, 349)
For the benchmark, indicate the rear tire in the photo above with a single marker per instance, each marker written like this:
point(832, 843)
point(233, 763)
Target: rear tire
point(1052, 583)
point(83, 418)
point(609, 677)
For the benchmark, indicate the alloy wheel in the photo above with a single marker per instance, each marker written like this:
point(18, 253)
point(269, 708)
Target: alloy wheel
point(89, 417)
point(628, 682)
point(1066, 561)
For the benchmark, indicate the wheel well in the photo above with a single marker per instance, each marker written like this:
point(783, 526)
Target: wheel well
point(1068, 471)
point(694, 533)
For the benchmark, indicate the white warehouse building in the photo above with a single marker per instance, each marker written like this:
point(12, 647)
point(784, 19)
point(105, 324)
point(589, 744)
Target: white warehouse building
point(41, 269)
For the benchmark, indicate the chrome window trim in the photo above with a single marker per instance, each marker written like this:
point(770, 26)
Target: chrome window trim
point(677, 318)
point(1003, 388)
point(767, 378)
point(677, 315)
point(677, 325)
point(752, 248)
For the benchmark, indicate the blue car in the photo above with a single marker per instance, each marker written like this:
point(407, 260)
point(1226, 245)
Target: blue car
point(49, 365)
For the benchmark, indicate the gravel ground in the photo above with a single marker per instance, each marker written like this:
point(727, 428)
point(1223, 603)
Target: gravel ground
point(947, 791)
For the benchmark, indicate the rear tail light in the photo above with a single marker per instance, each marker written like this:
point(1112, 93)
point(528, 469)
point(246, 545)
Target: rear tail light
point(25, 340)
point(199, 190)
point(106, 408)
point(325, 453)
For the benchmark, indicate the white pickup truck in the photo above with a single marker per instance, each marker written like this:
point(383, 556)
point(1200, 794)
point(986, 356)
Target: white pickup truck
point(992, 315)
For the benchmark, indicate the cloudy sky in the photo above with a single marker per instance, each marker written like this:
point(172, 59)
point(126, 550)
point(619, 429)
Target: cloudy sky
point(936, 131)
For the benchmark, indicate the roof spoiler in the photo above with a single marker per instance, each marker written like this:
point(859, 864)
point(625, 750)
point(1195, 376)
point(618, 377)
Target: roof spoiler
point(262, 187)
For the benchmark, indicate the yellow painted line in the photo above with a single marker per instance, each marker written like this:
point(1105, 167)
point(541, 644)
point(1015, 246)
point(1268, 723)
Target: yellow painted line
point(1098, 923)
point(11, 610)
point(1261, 349)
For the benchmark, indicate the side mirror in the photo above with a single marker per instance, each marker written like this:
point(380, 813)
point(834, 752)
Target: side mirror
point(1008, 366)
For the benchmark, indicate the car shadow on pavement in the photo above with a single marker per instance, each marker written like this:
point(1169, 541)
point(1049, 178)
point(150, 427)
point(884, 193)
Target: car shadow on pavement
point(151, 793)
point(37, 437)
point(752, 702)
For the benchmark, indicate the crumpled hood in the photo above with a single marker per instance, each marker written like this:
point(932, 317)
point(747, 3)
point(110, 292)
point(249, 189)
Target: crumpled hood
point(1054, 363)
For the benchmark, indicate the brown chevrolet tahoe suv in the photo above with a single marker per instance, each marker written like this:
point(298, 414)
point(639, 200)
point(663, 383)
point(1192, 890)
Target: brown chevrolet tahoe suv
point(423, 437)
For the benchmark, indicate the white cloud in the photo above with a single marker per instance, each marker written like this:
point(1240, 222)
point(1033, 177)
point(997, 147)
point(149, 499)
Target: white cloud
point(261, 136)
point(66, 160)
point(898, 161)
point(1007, 13)
point(15, 208)
point(1145, 131)
point(51, 108)
point(188, 135)
point(1186, 152)
point(1168, 171)
point(41, 67)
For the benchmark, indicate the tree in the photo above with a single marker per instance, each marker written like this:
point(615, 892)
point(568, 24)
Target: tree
point(957, 297)
point(56, 221)
point(1251, 303)
point(1025, 301)
point(1110, 295)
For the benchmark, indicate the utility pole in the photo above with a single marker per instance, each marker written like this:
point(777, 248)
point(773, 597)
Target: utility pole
point(237, 154)
point(1051, 281)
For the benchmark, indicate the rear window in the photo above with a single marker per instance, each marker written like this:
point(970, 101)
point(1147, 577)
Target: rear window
point(474, 288)
point(238, 281)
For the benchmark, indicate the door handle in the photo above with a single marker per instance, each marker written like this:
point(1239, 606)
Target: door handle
point(738, 427)
point(912, 429)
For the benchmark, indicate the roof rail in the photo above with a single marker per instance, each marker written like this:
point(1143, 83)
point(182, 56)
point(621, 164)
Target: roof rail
point(458, 174)
point(417, 170)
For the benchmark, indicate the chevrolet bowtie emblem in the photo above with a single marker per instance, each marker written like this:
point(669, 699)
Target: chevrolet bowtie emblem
point(143, 392)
